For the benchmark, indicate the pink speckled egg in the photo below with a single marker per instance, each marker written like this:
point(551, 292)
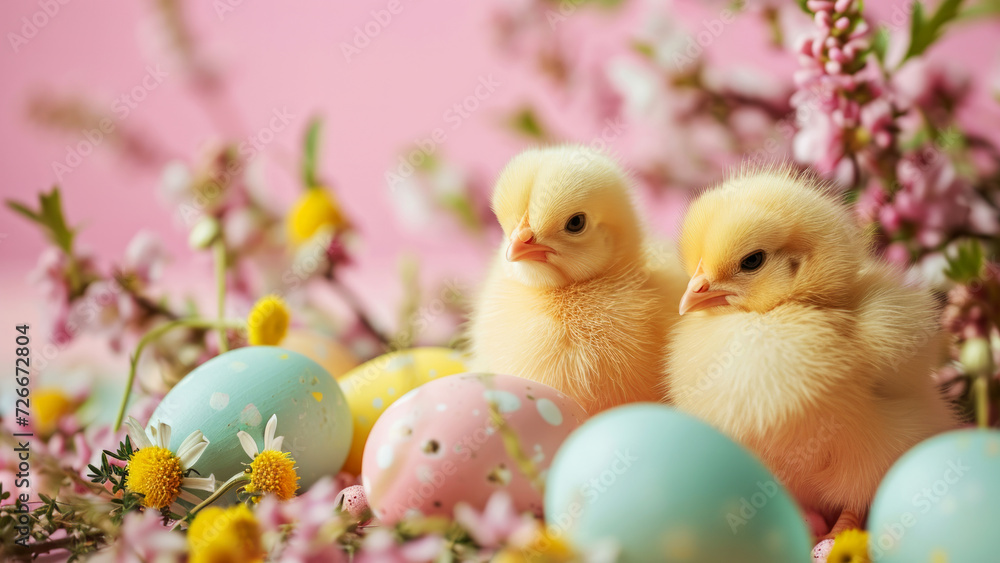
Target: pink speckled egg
point(437, 445)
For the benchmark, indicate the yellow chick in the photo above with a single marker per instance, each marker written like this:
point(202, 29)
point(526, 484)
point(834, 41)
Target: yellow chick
point(797, 342)
point(575, 298)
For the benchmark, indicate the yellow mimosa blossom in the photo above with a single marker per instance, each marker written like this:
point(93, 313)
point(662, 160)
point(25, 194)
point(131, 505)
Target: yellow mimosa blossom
point(268, 321)
point(316, 209)
point(50, 405)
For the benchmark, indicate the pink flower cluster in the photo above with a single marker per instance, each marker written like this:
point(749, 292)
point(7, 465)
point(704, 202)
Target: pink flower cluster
point(85, 300)
point(841, 104)
point(972, 309)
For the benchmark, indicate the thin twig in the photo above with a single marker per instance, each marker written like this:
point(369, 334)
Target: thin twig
point(355, 304)
point(153, 335)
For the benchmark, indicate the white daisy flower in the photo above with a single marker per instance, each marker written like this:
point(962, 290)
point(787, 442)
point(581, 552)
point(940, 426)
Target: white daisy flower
point(158, 473)
point(272, 470)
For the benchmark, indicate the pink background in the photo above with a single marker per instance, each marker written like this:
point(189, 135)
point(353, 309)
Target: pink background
point(288, 55)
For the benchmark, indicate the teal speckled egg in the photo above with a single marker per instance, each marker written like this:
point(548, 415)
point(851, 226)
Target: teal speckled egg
point(663, 486)
point(940, 502)
point(240, 390)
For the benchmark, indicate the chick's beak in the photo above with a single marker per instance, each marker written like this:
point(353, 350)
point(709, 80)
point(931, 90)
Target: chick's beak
point(699, 294)
point(523, 246)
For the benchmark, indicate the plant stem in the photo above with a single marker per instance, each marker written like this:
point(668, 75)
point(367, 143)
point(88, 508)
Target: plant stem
point(355, 304)
point(190, 322)
point(237, 479)
point(220, 283)
point(35, 549)
point(981, 388)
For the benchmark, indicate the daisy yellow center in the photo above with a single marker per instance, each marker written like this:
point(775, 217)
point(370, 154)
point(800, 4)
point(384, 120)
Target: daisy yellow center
point(229, 535)
point(268, 321)
point(155, 472)
point(273, 472)
point(314, 210)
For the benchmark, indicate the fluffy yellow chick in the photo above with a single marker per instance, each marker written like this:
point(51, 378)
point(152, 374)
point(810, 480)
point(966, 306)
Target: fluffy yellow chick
point(798, 343)
point(575, 298)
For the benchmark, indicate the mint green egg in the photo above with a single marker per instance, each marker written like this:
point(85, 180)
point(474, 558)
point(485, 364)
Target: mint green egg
point(240, 390)
point(940, 502)
point(660, 485)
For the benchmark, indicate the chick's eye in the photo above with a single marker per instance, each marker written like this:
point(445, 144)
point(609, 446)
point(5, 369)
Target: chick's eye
point(576, 223)
point(752, 261)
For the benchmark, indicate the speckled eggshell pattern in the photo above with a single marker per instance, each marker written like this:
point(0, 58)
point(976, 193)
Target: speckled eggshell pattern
point(664, 486)
point(240, 390)
point(940, 502)
point(374, 385)
point(437, 446)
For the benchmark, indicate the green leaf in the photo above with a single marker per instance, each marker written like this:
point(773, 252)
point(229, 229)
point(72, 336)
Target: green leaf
point(309, 152)
point(880, 44)
point(802, 5)
point(527, 122)
point(50, 217)
point(644, 48)
point(967, 263)
point(462, 207)
point(924, 32)
point(981, 9)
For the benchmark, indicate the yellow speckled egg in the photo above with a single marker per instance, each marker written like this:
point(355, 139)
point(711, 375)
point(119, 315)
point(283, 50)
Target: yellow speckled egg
point(375, 384)
point(322, 349)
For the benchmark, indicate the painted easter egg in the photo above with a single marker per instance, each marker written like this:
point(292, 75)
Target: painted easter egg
point(322, 349)
point(661, 485)
point(438, 445)
point(371, 387)
point(940, 501)
point(240, 390)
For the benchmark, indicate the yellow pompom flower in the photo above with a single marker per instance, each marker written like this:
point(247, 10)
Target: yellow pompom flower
point(50, 405)
point(267, 322)
point(316, 209)
point(850, 546)
point(225, 535)
point(157, 473)
point(272, 471)
point(545, 547)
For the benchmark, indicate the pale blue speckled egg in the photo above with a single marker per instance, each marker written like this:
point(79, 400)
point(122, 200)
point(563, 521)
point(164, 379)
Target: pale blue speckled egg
point(240, 390)
point(663, 486)
point(940, 503)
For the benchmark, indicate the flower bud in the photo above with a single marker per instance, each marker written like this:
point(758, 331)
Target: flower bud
point(976, 356)
point(204, 233)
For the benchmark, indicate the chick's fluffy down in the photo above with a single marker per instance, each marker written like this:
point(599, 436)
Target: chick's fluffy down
point(820, 362)
point(592, 318)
